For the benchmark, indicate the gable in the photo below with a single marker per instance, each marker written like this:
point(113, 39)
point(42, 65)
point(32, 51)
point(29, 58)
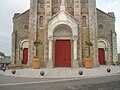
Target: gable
point(104, 16)
point(62, 18)
point(62, 15)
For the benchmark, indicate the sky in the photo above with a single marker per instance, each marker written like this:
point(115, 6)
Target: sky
point(9, 7)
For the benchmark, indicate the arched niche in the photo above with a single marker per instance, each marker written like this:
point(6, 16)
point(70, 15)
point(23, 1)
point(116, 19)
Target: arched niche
point(62, 31)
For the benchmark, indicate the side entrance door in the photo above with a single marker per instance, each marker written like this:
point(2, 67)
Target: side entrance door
point(101, 56)
point(25, 56)
point(62, 53)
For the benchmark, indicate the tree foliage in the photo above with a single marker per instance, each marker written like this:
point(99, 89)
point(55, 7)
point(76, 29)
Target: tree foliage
point(2, 54)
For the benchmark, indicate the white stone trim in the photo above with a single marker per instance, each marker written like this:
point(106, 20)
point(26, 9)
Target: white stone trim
point(20, 55)
point(75, 49)
point(63, 19)
point(106, 48)
point(50, 49)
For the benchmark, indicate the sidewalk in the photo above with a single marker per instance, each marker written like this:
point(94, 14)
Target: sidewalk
point(63, 72)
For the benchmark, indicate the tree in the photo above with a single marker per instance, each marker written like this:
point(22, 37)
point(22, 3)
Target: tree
point(89, 44)
point(2, 54)
point(36, 44)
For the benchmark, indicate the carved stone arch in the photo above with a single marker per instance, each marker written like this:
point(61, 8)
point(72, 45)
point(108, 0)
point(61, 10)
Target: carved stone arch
point(23, 43)
point(58, 25)
point(73, 28)
point(62, 18)
point(62, 30)
point(104, 43)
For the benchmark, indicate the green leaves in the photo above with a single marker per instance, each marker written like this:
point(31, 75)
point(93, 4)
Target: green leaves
point(88, 43)
point(37, 42)
point(2, 54)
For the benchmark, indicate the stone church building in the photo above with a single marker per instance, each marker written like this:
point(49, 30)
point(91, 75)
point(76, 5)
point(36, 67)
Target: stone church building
point(63, 27)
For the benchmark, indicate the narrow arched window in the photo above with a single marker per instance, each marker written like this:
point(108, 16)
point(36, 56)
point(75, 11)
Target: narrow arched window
point(84, 21)
point(41, 21)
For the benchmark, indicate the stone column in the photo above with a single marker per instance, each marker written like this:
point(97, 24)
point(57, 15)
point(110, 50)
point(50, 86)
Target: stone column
point(50, 62)
point(75, 49)
point(75, 60)
point(20, 55)
point(50, 49)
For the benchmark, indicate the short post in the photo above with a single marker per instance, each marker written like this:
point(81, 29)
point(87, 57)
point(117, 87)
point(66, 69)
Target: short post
point(80, 72)
point(13, 71)
point(4, 69)
point(42, 73)
point(108, 70)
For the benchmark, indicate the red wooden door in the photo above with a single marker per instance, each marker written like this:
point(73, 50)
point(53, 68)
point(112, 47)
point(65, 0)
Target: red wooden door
point(101, 56)
point(63, 53)
point(25, 55)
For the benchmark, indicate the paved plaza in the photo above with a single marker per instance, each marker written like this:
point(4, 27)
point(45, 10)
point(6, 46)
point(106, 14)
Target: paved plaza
point(63, 72)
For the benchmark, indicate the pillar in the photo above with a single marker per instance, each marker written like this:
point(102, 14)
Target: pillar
point(75, 49)
point(50, 49)
point(75, 60)
point(50, 62)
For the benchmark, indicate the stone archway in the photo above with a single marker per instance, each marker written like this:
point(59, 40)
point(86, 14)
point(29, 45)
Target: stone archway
point(62, 46)
point(23, 52)
point(67, 27)
point(103, 51)
point(62, 31)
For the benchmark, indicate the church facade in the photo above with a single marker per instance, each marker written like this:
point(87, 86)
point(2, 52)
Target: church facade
point(63, 27)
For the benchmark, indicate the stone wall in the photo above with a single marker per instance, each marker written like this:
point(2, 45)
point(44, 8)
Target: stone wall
point(106, 26)
point(33, 24)
point(20, 32)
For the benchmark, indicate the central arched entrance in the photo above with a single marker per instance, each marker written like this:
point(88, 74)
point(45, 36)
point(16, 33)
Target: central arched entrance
point(62, 36)
point(62, 32)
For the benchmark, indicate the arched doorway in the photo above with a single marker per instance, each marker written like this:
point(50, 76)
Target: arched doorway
point(103, 51)
point(24, 51)
point(62, 28)
point(62, 36)
point(25, 56)
point(101, 56)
